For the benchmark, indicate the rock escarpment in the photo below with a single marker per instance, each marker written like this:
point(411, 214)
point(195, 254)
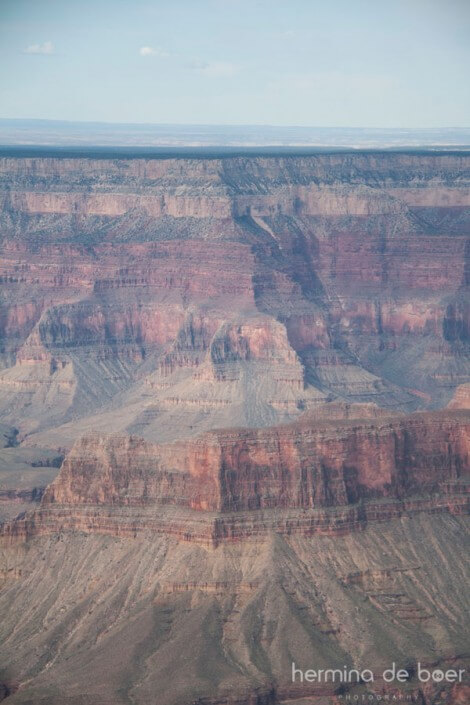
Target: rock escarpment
point(227, 352)
point(304, 477)
point(235, 291)
point(299, 466)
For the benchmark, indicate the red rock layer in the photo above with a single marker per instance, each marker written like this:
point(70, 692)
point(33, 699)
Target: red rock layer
point(109, 295)
point(303, 477)
point(298, 466)
point(360, 257)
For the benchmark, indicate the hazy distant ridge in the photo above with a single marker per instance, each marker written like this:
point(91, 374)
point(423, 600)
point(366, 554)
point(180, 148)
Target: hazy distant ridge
point(60, 133)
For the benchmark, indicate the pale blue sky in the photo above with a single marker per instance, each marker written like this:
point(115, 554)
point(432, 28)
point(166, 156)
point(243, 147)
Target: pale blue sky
point(380, 63)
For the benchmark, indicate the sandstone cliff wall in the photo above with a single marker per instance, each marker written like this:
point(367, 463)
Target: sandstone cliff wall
point(305, 478)
point(301, 465)
point(237, 291)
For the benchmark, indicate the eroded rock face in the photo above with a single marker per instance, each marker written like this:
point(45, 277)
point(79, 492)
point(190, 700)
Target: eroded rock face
point(330, 276)
point(305, 478)
point(227, 352)
point(189, 624)
point(299, 466)
point(461, 399)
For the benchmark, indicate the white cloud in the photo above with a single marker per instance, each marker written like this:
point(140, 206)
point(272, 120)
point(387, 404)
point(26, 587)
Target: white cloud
point(217, 69)
point(153, 51)
point(45, 48)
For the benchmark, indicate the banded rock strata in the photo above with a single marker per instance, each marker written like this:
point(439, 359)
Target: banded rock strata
point(172, 296)
point(300, 478)
point(244, 362)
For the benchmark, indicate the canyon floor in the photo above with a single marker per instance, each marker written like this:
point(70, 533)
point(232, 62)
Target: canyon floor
point(234, 426)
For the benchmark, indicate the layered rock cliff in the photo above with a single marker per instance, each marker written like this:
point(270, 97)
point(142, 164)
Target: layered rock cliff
point(304, 477)
point(300, 465)
point(227, 352)
point(195, 293)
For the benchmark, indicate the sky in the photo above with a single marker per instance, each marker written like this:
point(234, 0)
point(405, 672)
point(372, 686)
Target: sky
point(332, 63)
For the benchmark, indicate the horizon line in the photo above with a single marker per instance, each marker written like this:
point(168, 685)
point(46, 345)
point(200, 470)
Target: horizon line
point(216, 151)
point(223, 124)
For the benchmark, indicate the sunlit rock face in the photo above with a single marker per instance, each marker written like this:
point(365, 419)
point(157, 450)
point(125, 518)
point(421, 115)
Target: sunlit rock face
point(234, 408)
point(301, 465)
point(310, 476)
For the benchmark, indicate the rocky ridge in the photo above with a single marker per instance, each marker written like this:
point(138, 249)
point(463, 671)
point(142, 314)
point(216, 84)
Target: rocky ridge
point(304, 477)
